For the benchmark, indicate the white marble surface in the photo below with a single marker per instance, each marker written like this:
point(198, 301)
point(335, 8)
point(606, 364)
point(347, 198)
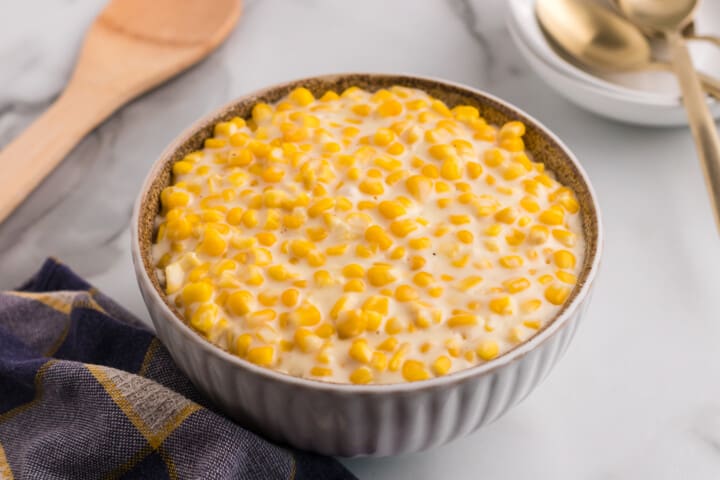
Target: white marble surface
point(636, 396)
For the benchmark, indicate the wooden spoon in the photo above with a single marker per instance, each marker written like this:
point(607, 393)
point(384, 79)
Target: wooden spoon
point(132, 46)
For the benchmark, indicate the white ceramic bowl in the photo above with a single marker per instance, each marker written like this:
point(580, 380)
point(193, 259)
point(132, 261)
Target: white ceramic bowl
point(346, 419)
point(650, 98)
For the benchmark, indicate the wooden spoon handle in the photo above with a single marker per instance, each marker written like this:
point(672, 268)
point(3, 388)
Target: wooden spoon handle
point(28, 159)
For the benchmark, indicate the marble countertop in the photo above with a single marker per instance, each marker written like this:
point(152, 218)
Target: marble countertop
point(636, 396)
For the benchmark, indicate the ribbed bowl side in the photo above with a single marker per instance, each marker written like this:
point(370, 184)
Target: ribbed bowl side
point(357, 424)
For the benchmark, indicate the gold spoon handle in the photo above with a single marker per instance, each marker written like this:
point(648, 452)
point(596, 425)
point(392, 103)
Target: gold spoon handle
point(702, 124)
point(711, 85)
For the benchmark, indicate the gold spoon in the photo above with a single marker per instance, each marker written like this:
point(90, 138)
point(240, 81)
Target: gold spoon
point(131, 47)
point(600, 39)
point(669, 18)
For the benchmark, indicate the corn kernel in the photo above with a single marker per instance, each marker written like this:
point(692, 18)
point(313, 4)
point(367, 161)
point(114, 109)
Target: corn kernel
point(564, 259)
point(361, 376)
point(360, 351)
point(487, 350)
point(376, 235)
point(413, 370)
point(441, 365)
point(263, 356)
point(462, 320)
point(501, 305)
point(557, 294)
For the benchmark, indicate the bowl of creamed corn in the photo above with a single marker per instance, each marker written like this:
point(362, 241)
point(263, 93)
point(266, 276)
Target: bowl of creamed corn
point(366, 264)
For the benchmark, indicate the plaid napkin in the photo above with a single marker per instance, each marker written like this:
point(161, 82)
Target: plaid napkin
point(87, 392)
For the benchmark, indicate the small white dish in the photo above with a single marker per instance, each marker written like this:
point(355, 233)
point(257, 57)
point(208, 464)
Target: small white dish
point(648, 98)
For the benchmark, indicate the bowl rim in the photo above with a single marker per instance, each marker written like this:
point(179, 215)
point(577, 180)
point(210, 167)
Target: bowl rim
point(269, 374)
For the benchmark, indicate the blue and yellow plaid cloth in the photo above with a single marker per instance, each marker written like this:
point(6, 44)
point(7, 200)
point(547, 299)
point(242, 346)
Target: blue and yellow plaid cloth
point(87, 392)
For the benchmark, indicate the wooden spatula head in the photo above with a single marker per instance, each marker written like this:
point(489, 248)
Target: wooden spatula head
point(131, 47)
point(174, 22)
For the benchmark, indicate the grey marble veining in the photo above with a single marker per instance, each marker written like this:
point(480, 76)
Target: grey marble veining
point(635, 397)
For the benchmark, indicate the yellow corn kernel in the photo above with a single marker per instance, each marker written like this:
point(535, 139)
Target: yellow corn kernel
point(515, 238)
point(564, 259)
point(263, 356)
point(465, 236)
point(397, 253)
point(416, 262)
point(266, 238)
point(376, 235)
point(552, 216)
point(441, 365)
point(506, 215)
point(325, 330)
point(321, 371)
point(538, 234)
point(414, 370)
point(565, 237)
point(354, 285)
point(293, 221)
point(352, 325)
point(462, 320)
point(278, 272)
point(418, 186)
point(289, 297)
point(321, 206)
point(353, 270)
point(317, 234)
point(301, 96)
point(205, 317)
point(487, 349)
point(371, 187)
point(323, 278)
point(390, 108)
point(511, 261)
point(360, 351)
point(469, 282)
point(242, 344)
point(514, 128)
point(459, 219)
point(545, 279)
point(384, 137)
point(516, 285)
point(531, 305)
point(395, 325)
point(391, 209)
point(361, 376)
point(336, 250)
point(501, 305)
point(364, 251)
point(306, 315)
point(306, 340)
point(388, 344)
point(377, 304)
point(419, 243)
point(196, 292)
point(405, 293)
point(213, 243)
point(395, 149)
point(529, 204)
point(362, 109)
point(512, 144)
point(422, 279)
point(300, 248)
point(329, 96)
point(338, 307)
point(566, 277)
point(557, 294)
point(435, 292)
point(402, 228)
